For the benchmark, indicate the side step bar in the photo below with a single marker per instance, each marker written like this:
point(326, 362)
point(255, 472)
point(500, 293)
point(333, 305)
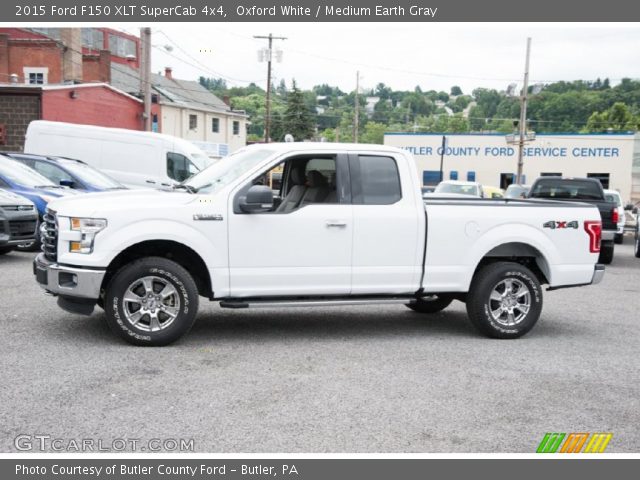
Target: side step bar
point(308, 302)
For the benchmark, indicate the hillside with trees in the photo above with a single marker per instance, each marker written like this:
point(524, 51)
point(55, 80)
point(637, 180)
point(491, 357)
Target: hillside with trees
point(329, 112)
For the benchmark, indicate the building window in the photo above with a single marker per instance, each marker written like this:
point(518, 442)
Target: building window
point(453, 175)
point(471, 176)
point(603, 177)
point(236, 127)
point(430, 177)
point(193, 122)
point(36, 75)
point(215, 125)
point(121, 47)
point(92, 38)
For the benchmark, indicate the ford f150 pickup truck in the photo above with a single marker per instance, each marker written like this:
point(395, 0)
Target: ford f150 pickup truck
point(348, 225)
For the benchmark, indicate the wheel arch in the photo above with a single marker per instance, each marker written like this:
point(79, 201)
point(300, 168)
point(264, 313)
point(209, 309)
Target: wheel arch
point(185, 256)
point(519, 252)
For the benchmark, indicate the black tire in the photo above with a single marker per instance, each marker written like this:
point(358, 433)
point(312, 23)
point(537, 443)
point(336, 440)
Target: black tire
point(5, 250)
point(606, 253)
point(636, 249)
point(163, 273)
point(618, 239)
point(431, 304)
point(480, 305)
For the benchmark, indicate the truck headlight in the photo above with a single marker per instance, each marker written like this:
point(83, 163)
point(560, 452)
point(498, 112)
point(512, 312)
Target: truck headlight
point(88, 228)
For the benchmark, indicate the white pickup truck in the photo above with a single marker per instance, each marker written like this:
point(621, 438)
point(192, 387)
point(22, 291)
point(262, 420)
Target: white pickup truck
point(347, 225)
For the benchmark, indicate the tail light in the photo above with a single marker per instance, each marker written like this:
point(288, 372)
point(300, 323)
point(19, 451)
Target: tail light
point(615, 216)
point(594, 230)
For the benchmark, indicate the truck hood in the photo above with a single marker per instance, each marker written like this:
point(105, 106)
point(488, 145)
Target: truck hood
point(100, 205)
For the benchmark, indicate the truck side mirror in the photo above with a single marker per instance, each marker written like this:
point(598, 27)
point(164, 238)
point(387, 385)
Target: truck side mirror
point(259, 199)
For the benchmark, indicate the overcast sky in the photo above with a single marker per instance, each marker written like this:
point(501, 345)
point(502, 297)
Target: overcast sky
point(434, 56)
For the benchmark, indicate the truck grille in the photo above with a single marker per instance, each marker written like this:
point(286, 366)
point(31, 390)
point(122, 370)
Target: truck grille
point(49, 235)
point(17, 208)
point(22, 228)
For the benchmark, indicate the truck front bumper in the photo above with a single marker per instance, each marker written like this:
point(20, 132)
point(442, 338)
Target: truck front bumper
point(67, 281)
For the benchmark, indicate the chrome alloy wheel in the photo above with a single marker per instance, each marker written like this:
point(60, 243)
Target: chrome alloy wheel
point(510, 302)
point(151, 303)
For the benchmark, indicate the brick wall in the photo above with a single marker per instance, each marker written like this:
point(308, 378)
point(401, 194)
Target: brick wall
point(16, 112)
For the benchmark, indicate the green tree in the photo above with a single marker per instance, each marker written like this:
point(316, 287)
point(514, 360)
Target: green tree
point(373, 133)
point(456, 90)
point(617, 118)
point(297, 119)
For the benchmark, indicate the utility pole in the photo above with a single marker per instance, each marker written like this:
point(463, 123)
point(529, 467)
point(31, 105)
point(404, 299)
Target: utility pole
point(356, 120)
point(268, 53)
point(145, 75)
point(523, 114)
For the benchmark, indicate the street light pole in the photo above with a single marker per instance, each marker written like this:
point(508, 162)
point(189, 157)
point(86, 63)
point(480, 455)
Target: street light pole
point(523, 115)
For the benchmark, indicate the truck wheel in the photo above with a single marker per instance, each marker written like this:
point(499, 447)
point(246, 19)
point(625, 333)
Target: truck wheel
point(606, 253)
point(4, 250)
point(152, 301)
point(504, 300)
point(618, 239)
point(431, 304)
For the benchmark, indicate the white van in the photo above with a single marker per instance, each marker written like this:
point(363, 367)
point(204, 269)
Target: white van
point(135, 158)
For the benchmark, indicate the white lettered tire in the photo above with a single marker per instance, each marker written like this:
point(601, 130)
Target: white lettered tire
point(504, 300)
point(152, 301)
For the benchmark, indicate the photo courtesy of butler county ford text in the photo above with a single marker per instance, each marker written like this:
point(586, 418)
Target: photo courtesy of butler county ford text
point(319, 240)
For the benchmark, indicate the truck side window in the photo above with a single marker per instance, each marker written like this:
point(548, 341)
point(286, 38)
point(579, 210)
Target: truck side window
point(178, 167)
point(380, 180)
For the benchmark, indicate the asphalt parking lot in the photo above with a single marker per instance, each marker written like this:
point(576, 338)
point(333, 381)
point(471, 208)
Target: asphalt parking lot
point(352, 379)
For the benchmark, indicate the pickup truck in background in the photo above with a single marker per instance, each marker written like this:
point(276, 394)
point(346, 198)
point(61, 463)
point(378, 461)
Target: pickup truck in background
point(584, 190)
point(348, 226)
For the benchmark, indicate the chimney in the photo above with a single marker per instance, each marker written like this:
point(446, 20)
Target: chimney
point(225, 99)
point(71, 38)
point(104, 66)
point(167, 73)
point(4, 56)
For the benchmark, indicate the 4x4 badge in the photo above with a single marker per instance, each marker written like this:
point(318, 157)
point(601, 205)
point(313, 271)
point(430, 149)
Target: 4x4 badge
point(552, 224)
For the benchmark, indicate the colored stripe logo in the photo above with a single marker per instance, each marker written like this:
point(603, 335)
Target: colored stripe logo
point(574, 442)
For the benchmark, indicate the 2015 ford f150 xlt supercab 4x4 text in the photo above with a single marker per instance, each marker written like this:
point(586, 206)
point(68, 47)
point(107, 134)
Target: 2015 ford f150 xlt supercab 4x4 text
point(347, 225)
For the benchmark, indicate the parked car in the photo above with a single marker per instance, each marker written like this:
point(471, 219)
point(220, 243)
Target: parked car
point(585, 190)
point(455, 188)
point(68, 172)
point(351, 228)
point(517, 191)
point(133, 158)
point(614, 197)
point(492, 192)
point(18, 221)
point(22, 180)
point(428, 189)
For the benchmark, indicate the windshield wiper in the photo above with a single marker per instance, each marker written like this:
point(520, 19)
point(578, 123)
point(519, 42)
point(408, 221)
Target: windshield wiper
point(186, 187)
point(48, 186)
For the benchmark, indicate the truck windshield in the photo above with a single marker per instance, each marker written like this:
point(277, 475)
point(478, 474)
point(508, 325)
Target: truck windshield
point(227, 170)
point(22, 175)
point(567, 188)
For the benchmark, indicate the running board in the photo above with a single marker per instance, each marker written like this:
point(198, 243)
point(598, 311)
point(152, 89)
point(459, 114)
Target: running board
point(320, 302)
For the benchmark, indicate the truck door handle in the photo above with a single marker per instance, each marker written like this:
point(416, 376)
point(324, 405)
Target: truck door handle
point(336, 224)
point(150, 181)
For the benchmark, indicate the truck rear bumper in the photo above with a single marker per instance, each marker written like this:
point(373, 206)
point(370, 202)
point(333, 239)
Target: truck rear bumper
point(598, 273)
point(67, 281)
point(608, 234)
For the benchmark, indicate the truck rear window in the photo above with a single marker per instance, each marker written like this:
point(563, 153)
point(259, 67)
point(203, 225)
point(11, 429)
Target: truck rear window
point(563, 189)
